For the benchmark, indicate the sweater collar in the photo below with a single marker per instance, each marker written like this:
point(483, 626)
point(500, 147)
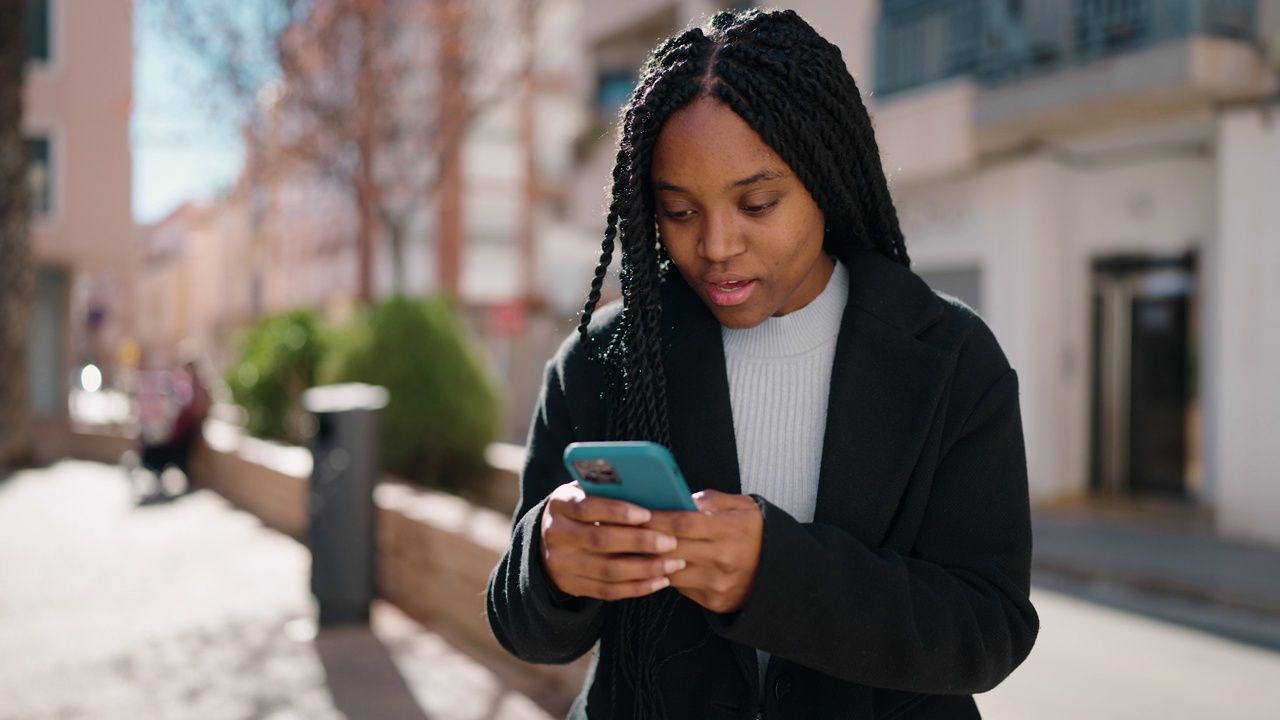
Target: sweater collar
point(813, 326)
point(886, 384)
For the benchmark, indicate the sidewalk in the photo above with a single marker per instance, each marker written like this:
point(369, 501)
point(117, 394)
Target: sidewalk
point(1227, 587)
point(193, 609)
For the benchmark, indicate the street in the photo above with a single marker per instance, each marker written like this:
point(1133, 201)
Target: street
point(192, 609)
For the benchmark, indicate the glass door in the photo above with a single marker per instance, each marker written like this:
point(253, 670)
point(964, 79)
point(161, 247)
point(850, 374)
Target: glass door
point(1142, 374)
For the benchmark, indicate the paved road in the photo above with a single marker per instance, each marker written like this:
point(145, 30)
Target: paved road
point(192, 609)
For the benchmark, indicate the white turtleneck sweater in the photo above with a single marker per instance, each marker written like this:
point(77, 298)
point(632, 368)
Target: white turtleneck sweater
point(779, 380)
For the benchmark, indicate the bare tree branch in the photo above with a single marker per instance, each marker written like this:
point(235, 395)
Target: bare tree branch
point(362, 94)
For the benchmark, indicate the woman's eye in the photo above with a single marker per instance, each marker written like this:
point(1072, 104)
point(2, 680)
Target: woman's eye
point(757, 209)
point(677, 214)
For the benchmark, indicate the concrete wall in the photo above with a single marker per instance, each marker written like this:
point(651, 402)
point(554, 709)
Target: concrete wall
point(434, 550)
point(1244, 411)
point(928, 135)
point(1006, 222)
point(1033, 226)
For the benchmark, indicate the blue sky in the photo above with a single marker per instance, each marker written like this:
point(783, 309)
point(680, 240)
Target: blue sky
point(182, 150)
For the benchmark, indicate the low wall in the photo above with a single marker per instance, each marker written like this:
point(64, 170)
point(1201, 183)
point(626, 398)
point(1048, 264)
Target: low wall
point(55, 438)
point(267, 479)
point(435, 550)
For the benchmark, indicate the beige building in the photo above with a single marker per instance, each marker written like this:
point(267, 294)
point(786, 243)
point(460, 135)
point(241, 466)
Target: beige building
point(1099, 180)
point(191, 284)
point(78, 89)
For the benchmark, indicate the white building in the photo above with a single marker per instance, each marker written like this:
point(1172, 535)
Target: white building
point(1101, 180)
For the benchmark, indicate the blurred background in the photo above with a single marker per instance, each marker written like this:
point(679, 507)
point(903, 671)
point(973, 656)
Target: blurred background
point(250, 199)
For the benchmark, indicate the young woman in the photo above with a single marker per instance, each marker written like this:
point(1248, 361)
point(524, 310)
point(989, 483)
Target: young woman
point(862, 547)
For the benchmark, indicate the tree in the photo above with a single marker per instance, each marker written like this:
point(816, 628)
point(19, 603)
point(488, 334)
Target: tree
point(375, 95)
point(16, 268)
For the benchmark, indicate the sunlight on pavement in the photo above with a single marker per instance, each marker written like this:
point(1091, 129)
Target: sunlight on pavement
point(188, 609)
point(1095, 662)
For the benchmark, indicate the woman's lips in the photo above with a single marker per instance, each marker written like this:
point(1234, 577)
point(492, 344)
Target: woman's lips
point(730, 292)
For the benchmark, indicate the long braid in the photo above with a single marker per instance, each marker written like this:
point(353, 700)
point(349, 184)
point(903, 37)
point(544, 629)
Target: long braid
point(793, 88)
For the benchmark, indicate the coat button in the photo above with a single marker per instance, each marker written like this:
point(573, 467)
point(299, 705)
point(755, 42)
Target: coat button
point(782, 688)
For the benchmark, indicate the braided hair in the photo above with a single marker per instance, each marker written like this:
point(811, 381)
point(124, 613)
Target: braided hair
point(793, 88)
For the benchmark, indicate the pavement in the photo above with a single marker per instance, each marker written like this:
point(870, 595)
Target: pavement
point(1163, 560)
point(111, 608)
point(192, 609)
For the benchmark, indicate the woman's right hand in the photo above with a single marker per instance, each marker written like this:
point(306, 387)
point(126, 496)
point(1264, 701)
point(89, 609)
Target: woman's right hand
point(595, 547)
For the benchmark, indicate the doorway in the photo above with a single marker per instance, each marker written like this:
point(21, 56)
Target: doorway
point(1143, 374)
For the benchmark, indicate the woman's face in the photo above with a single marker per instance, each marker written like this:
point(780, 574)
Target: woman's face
point(737, 222)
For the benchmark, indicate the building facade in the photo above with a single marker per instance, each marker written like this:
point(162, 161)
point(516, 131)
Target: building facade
point(191, 284)
point(1097, 179)
point(76, 122)
point(287, 233)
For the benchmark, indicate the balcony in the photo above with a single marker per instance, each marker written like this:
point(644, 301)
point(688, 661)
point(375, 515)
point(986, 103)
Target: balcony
point(961, 80)
point(921, 42)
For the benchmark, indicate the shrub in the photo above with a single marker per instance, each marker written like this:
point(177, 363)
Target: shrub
point(279, 356)
point(442, 411)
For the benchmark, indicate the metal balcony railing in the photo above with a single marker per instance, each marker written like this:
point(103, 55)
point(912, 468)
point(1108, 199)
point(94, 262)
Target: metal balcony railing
point(924, 41)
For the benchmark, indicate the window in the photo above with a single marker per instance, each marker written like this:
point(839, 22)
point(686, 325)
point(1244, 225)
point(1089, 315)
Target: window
point(40, 175)
point(39, 35)
point(613, 91)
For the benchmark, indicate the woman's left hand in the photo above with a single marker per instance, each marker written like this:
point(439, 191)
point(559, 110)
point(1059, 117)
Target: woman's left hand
point(720, 545)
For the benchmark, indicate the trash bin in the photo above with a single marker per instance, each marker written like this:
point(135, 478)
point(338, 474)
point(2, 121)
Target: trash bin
point(344, 452)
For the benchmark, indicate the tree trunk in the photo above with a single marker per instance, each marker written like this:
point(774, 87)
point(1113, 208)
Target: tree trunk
point(452, 22)
point(395, 243)
point(368, 200)
point(17, 273)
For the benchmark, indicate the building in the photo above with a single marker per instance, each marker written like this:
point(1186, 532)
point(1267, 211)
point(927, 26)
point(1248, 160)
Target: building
point(307, 211)
point(1099, 180)
point(288, 233)
point(190, 283)
point(77, 103)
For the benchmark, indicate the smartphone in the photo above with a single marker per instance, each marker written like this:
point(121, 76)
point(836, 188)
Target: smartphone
point(643, 473)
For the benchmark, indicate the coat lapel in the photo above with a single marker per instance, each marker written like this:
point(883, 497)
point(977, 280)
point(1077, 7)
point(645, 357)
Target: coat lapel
point(699, 411)
point(698, 408)
point(885, 388)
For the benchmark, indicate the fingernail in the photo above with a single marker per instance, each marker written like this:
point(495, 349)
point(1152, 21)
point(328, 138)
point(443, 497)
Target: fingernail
point(638, 516)
point(660, 583)
point(671, 566)
point(666, 543)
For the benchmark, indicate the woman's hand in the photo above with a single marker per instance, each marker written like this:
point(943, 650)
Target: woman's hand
point(720, 545)
point(597, 547)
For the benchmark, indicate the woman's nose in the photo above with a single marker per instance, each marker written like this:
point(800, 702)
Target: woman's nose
point(720, 240)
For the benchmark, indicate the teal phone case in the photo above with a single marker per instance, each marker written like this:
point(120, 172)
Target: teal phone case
point(643, 473)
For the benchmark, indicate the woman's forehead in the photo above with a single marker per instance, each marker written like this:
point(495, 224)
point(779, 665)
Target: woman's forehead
point(706, 141)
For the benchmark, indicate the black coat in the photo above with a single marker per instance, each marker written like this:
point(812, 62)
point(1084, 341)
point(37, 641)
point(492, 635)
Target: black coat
point(909, 590)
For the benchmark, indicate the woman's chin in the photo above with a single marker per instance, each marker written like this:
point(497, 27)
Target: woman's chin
point(737, 317)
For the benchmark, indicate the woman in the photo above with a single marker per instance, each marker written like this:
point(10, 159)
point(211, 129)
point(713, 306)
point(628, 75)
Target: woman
point(863, 543)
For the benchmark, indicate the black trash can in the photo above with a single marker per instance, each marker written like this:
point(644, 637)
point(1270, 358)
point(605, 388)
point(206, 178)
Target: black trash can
point(344, 451)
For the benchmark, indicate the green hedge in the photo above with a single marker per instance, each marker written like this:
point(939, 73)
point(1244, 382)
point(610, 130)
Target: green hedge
point(442, 412)
point(278, 360)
